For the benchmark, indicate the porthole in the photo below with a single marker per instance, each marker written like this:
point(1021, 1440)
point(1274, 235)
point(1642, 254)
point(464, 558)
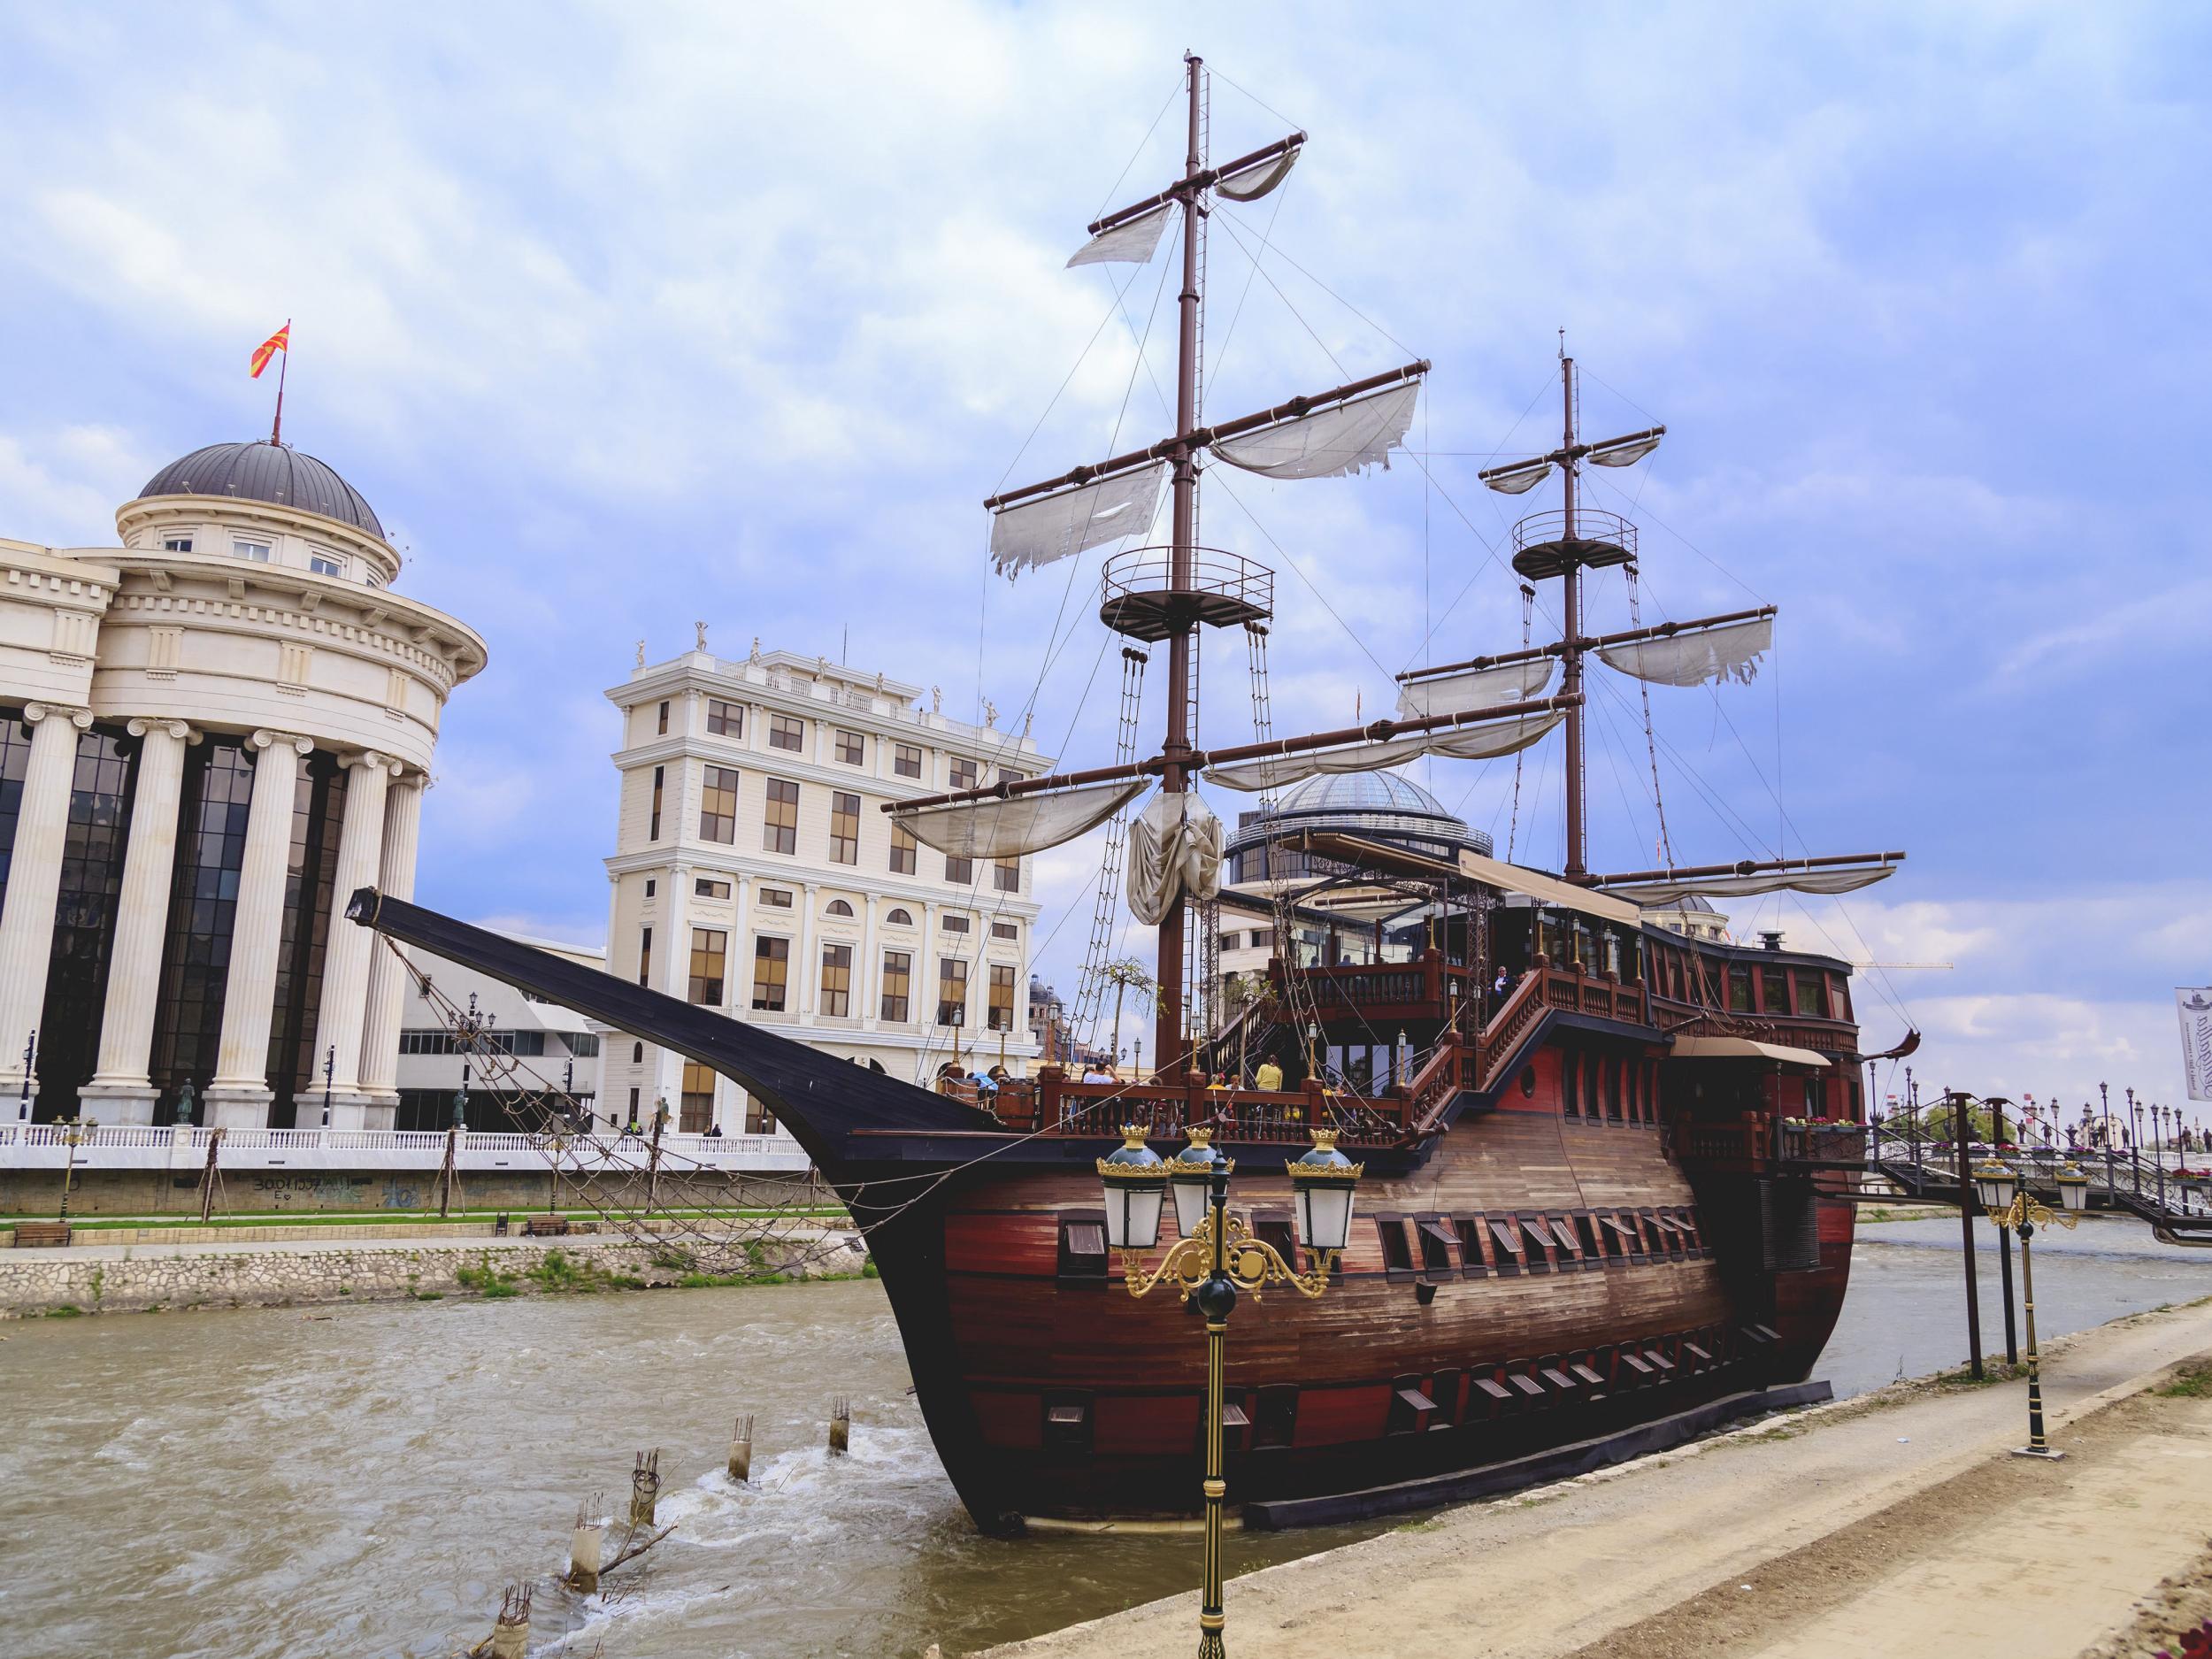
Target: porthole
point(1528, 1081)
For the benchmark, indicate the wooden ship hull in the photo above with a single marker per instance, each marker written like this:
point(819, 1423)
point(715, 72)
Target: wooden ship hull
point(1568, 1236)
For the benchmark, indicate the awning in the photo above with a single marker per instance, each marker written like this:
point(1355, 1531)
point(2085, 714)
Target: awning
point(1548, 889)
point(1744, 1049)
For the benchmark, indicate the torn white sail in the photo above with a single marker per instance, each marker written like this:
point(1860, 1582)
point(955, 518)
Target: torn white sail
point(1255, 181)
point(1476, 689)
point(1519, 481)
point(1696, 655)
point(1019, 824)
point(1651, 893)
point(1132, 242)
point(1485, 742)
point(1039, 532)
point(1174, 846)
point(1331, 442)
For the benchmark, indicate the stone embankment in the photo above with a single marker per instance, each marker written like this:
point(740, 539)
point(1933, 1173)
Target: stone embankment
point(107, 1280)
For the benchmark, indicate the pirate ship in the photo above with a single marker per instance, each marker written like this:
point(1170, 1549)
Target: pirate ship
point(1595, 1214)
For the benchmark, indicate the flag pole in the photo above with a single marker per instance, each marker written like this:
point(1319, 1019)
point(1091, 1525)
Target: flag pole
point(276, 432)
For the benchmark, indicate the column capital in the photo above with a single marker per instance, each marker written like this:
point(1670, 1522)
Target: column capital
point(139, 726)
point(34, 712)
point(375, 760)
point(270, 740)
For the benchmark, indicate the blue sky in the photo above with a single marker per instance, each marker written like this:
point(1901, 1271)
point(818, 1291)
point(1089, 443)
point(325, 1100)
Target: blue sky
point(623, 317)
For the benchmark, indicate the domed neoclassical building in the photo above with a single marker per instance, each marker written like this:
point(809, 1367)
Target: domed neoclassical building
point(209, 737)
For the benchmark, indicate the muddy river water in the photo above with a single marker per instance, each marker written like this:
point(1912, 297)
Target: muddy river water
point(362, 1481)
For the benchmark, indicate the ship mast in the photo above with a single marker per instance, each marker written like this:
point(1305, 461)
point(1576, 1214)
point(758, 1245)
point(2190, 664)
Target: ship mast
point(1571, 608)
point(1168, 1032)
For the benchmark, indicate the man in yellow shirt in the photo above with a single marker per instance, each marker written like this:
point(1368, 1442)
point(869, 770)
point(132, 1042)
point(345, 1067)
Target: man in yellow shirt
point(1268, 1077)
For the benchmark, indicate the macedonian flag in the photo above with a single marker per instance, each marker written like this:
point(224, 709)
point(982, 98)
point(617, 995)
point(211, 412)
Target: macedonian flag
point(278, 342)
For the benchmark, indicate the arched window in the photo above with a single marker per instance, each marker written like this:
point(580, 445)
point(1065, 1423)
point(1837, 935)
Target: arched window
point(837, 907)
point(637, 1054)
point(899, 918)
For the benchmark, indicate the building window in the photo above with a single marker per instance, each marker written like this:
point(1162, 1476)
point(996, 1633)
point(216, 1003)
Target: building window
point(257, 551)
point(1005, 930)
point(1774, 991)
point(960, 872)
point(652, 829)
point(852, 749)
point(584, 1045)
point(644, 955)
point(906, 759)
point(964, 773)
point(1007, 774)
point(663, 727)
point(725, 719)
point(771, 972)
point(696, 1115)
point(898, 985)
point(708, 888)
point(1739, 989)
point(837, 981)
point(176, 544)
point(323, 565)
point(786, 730)
point(758, 1119)
point(649, 885)
point(952, 924)
point(709, 948)
point(844, 828)
point(1006, 874)
point(838, 907)
point(775, 898)
point(952, 991)
point(900, 918)
point(1812, 994)
point(779, 829)
point(1001, 1017)
point(717, 805)
point(903, 846)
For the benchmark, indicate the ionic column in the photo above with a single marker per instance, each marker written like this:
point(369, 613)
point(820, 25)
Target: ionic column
point(339, 1020)
point(870, 967)
point(807, 1000)
point(119, 1091)
point(27, 919)
point(675, 974)
point(378, 1071)
point(239, 1097)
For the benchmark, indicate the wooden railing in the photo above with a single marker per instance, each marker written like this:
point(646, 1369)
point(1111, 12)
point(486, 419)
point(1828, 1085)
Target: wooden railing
point(1422, 988)
point(1054, 1103)
point(1502, 1037)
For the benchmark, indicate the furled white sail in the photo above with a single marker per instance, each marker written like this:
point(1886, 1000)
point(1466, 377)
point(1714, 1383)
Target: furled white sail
point(1485, 742)
point(1520, 480)
point(1476, 689)
point(1019, 824)
point(1174, 846)
point(1697, 655)
point(1625, 454)
point(1331, 442)
point(1051, 528)
point(1847, 881)
point(1132, 242)
point(1258, 180)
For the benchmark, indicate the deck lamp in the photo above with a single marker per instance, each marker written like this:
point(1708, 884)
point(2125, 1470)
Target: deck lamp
point(1135, 1180)
point(1323, 1183)
point(1191, 1174)
point(1993, 1184)
point(2073, 1190)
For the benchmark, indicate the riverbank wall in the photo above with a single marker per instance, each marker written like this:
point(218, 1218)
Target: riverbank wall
point(125, 1281)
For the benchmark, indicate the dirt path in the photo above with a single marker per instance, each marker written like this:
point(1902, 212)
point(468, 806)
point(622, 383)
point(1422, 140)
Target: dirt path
point(1890, 1526)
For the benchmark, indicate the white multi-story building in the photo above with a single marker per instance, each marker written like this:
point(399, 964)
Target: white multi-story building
point(756, 871)
point(210, 736)
point(523, 1055)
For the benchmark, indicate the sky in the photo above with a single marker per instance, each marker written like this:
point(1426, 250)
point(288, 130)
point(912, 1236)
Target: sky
point(623, 317)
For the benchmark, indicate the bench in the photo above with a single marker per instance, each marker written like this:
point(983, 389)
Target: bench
point(545, 1227)
point(41, 1235)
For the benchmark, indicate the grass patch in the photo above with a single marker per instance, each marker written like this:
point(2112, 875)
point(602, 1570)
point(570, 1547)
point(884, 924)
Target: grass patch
point(67, 1310)
point(2193, 1381)
point(1432, 1524)
point(488, 1281)
point(561, 1271)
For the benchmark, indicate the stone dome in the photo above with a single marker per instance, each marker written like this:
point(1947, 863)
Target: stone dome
point(266, 471)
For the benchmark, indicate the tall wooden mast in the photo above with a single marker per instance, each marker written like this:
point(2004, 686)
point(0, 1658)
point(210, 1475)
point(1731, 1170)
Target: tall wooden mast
point(1571, 608)
point(1168, 1032)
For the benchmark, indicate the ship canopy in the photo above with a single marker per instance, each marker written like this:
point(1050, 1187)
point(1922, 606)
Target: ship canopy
point(1484, 741)
point(1019, 824)
point(1696, 657)
point(1476, 689)
point(1049, 528)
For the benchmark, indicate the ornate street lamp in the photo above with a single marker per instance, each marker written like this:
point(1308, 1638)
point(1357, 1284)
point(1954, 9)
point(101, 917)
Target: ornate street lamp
point(2011, 1206)
point(1215, 1258)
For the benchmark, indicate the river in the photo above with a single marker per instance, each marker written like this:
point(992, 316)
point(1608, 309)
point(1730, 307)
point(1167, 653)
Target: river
point(362, 1481)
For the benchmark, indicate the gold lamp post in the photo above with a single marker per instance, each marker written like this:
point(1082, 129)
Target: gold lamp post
point(2011, 1206)
point(1216, 1257)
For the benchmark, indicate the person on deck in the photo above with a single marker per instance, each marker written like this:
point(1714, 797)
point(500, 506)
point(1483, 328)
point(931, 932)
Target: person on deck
point(1268, 1078)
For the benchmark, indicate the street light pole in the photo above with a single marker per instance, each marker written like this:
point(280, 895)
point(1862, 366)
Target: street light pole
point(30, 1058)
point(2012, 1208)
point(330, 1060)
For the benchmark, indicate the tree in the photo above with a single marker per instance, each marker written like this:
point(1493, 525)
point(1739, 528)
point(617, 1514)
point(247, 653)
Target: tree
point(1127, 975)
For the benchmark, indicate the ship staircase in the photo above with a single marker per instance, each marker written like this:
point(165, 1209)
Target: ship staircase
point(1881, 1163)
